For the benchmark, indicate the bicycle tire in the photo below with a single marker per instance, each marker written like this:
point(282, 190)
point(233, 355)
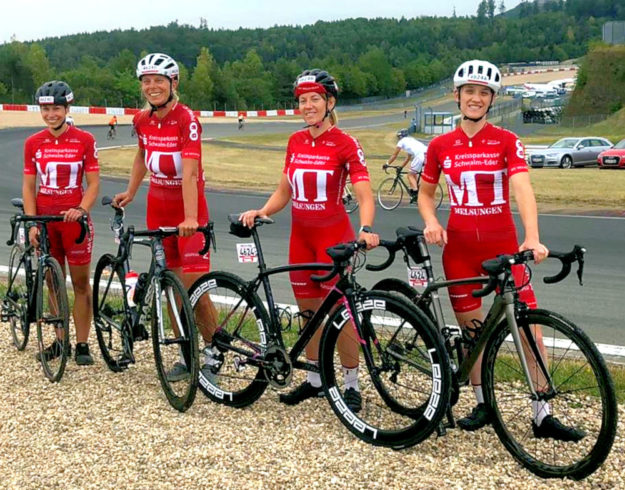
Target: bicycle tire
point(438, 196)
point(15, 301)
point(52, 319)
point(109, 314)
point(349, 199)
point(390, 193)
point(401, 404)
point(170, 346)
point(241, 323)
point(584, 398)
point(394, 285)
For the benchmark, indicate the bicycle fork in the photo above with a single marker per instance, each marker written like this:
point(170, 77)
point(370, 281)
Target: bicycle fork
point(511, 318)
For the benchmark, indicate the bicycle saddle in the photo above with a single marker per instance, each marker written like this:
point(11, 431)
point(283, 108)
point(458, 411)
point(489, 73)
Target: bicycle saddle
point(239, 229)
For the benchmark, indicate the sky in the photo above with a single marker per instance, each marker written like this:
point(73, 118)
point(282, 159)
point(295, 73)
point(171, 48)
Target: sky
point(29, 20)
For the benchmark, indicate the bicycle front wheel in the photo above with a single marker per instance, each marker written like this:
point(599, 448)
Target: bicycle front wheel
point(390, 193)
point(237, 325)
point(398, 364)
point(15, 302)
point(175, 343)
point(52, 320)
point(577, 390)
point(109, 314)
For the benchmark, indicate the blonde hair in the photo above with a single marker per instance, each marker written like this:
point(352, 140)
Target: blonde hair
point(334, 117)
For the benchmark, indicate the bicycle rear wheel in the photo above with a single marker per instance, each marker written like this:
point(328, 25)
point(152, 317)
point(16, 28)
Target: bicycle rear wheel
point(174, 339)
point(403, 372)
point(53, 320)
point(390, 193)
point(238, 335)
point(580, 394)
point(109, 314)
point(15, 302)
point(438, 196)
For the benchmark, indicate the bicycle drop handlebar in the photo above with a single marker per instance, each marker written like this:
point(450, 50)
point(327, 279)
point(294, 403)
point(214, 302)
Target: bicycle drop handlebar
point(83, 221)
point(503, 263)
point(162, 232)
point(340, 255)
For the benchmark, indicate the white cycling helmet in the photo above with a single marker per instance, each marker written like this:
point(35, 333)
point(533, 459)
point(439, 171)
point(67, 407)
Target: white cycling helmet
point(478, 72)
point(158, 64)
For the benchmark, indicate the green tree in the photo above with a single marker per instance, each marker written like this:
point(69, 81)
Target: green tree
point(200, 92)
point(38, 64)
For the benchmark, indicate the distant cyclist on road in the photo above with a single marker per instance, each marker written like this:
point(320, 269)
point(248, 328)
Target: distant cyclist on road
point(113, 127)
point(241, 120)
point(69, 120)
point(415, 154)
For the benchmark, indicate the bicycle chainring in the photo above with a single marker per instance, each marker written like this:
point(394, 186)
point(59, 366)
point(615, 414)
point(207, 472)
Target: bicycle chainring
point(277, 367)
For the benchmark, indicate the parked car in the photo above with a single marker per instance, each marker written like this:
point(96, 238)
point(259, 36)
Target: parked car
point(614, 157)
point(570, 152)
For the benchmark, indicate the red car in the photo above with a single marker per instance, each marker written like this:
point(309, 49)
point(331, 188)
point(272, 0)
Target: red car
point(614, 157)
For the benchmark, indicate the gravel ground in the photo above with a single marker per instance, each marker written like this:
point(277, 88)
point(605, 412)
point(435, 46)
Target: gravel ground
point(97, 429)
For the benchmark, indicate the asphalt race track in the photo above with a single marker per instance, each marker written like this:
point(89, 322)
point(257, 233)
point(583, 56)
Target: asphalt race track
point(598, 306)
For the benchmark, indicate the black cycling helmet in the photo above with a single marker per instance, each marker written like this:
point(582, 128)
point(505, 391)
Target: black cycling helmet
point(54, 92)
point(315, 80)
point(402, 133)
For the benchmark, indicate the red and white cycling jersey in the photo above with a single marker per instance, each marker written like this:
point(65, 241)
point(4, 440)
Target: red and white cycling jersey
point(317, 170)
point(60, 164)
point(477, 171)
point(166, 142)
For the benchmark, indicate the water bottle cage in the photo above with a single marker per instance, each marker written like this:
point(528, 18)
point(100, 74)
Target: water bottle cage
point(471, 334)
point(285, 318)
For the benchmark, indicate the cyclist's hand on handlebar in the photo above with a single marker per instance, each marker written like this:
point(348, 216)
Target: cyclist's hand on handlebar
point(188, 227)
point(541, 252)
point(73, 214)
point(33, 236)
point(122, 199)
point(435, 233)
point(248, 217)
point(371, 239)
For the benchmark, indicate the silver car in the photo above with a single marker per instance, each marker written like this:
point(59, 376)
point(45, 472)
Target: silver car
point(570, 152)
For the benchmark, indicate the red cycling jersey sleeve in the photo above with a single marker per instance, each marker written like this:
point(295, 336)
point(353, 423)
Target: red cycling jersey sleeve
point(477, 172)
point(60, 163)
point(317, 169)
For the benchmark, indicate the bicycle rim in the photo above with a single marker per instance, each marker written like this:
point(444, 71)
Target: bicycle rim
point(109, 314)
point(403, 374)
point(15, 303)
point(53, 321)
point(390, 193)
point(174, 339)
point(236, 327)
point(583, 397)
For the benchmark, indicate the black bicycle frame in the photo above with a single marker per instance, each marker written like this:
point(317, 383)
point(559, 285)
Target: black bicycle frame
point(339, 291)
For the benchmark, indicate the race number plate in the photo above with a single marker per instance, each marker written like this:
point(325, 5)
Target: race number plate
point(247, 253)
point(417, 276)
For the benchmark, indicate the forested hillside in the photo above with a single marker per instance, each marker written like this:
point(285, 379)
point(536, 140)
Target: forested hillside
point(254, 68)
point(600, 82)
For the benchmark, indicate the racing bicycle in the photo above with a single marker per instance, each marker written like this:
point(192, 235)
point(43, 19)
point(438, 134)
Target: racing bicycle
point(530, 356)
point(159, 299)
point(392, 189)
point(349, 198)
point(259, 345)
point(36, 292)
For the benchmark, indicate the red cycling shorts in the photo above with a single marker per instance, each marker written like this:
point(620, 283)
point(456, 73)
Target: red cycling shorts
point(463, 258)
point(180, 252)
point(63, 236)
point(309, 244)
